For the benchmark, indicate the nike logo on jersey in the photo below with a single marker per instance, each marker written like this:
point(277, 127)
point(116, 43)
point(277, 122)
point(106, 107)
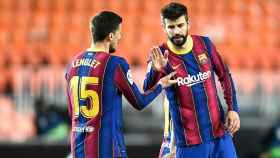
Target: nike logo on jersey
point(176, 67)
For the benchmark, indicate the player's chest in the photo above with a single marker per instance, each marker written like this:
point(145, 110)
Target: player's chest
point(190, 64)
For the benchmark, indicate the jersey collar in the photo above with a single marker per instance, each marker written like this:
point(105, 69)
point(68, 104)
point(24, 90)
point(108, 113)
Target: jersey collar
point(187, 48)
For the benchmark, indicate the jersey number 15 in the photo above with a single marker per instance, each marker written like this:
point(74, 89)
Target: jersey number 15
point(90, 98)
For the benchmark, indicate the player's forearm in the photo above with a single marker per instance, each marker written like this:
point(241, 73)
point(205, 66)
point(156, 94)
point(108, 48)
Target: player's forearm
point(229, 92)
point(152, 79)
point(144, 99)
point(131, 91)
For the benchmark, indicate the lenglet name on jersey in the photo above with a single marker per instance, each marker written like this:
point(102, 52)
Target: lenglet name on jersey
point(194, 79)
point(85, 62)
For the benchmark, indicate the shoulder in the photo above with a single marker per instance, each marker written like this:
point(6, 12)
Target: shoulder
point(163, 47)
point(77, 56)
point(198, 39)
point(205, 38)
point(72, 60)
point(117, 60)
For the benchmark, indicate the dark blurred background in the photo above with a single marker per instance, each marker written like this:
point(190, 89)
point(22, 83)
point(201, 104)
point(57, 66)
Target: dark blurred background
point(39, 37)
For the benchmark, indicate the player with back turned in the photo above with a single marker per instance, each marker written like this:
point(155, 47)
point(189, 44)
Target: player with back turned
point(96, 81)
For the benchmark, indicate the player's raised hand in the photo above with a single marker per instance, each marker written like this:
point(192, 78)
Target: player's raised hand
point(159, 61)
point(232, 122)
point(167, 80)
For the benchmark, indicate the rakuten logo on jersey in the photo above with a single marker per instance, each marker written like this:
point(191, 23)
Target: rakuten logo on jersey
point(194, 79)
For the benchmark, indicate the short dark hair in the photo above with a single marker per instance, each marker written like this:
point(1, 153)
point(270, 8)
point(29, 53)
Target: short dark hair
point(174, 10)
point(104, 23)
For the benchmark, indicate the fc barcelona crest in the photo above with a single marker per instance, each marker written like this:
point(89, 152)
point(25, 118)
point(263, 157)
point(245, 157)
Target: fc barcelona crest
point(202, 58)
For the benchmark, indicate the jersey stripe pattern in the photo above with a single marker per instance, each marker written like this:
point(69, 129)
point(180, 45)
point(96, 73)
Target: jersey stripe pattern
point(96, 82)
point(195, 107)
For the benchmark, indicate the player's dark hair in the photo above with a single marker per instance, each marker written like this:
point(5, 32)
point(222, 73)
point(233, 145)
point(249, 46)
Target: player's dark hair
point(174, 10)
point(103, 24)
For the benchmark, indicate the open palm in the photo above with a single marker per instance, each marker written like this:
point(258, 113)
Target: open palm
point(158, 60)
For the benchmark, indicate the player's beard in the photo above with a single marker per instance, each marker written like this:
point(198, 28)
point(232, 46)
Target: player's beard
point(178, 40)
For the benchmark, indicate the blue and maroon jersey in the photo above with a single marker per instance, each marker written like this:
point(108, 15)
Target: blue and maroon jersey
point(195, 107)
point(96, 82)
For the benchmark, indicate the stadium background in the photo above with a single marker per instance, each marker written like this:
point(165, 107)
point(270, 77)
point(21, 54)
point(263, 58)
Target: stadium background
point(38, 37)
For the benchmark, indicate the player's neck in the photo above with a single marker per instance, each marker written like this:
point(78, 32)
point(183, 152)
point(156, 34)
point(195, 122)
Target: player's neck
point(183, 47)
point(99, 47)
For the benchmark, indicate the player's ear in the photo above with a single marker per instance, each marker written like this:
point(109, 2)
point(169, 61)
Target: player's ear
point(111, 36)
point(91, 30)
point(189, 24)
point(162, 23)
point(90, 27)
